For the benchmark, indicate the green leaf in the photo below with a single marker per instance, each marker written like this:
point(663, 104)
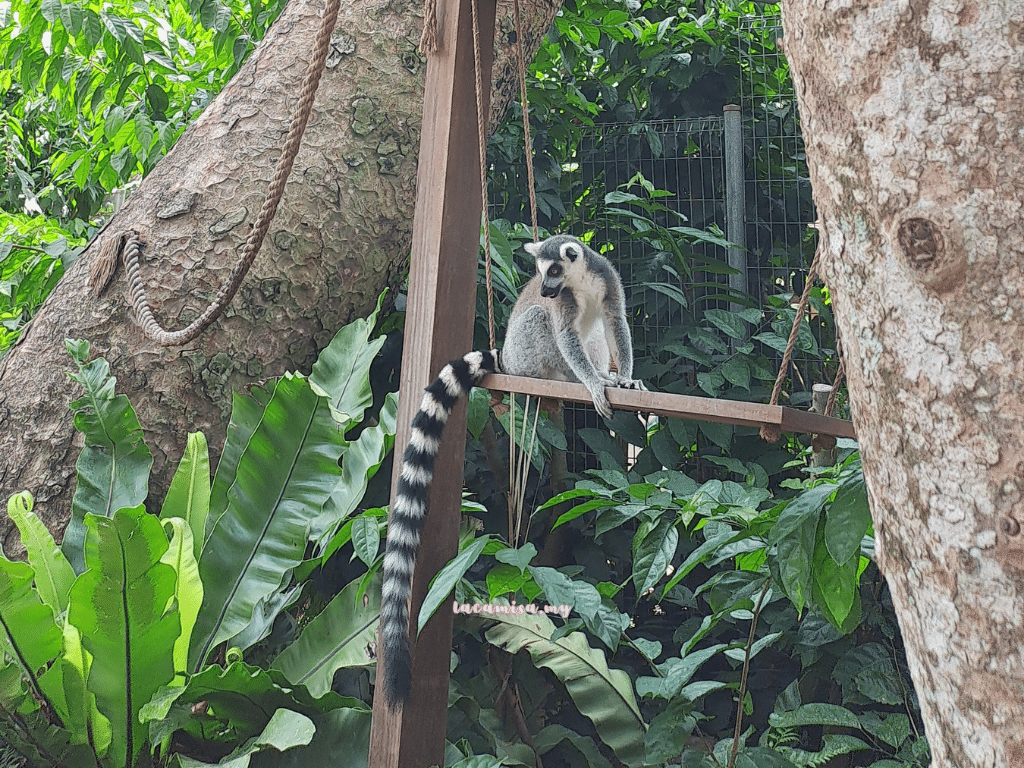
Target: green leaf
point(653, 555)
point(113, 121)
point(189, 494)
point(28, 632)
point(113, 468)
point(847, 519)
point(84, 721)
point(603, 695)
point(582, 509)
point(817, 713)
point(246, 413)
point(519, 558)
point(444, 582)
point(737, 372)
point(338, 637)
point(366, 538)
point(120, 607)
point(52, 572)
point(728, 322)
point(360, 461)
point(676, 673)
point(834, 586)
point(719, 434)
point(241, 700)
point(188, 587)
point(284, 476)
point(342, 372)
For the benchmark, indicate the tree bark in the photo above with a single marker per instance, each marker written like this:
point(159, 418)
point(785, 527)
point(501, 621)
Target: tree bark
point(341, 235)
point(912, 115)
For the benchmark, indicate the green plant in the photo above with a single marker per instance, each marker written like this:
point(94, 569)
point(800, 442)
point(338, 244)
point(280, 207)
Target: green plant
point(103, 667)
point(97, 93)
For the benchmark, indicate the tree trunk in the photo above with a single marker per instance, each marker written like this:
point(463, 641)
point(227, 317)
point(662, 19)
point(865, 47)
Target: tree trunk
point(341, 236)
point(912, 115)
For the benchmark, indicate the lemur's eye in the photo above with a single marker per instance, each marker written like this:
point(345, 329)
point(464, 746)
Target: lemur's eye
point(555, 271)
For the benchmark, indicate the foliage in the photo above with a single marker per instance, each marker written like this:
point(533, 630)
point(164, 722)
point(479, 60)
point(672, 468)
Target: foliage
point(97, 92)
point(103, 667)
point(34, 253)
point(665, 578)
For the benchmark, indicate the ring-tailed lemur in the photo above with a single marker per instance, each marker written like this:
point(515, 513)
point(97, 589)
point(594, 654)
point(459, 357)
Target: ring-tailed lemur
point(564, 326)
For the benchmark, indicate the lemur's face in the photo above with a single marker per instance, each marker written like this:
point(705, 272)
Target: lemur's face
point(557, 258)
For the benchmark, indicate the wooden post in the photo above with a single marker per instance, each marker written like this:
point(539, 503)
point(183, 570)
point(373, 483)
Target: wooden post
point(438, 328)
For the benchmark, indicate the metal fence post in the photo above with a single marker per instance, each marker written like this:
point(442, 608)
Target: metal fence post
point(735, 196)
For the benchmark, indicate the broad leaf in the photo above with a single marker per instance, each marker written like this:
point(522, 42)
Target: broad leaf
point(189, 494)
point(847, 519)
point(188, 587)
point(284, 476)
point(602, 694)
point(28, 632)
point(444, 582)
point(52, 572)
point(342, 372)
point(120, 608)
point(338, 637)
point(113, 468)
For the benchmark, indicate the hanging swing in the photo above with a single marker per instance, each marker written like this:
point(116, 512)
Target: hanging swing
point(771, 418)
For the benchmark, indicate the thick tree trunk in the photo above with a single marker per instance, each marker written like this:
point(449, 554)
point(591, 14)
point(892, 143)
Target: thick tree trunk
point(341, 235)
point(912, 114)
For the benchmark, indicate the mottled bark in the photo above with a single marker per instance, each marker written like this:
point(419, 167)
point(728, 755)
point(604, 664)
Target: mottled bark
point(341, 235)
point(912, 113)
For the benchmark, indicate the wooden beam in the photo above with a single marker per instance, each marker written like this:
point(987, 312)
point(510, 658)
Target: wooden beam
point(438, 328)
point(681, 406)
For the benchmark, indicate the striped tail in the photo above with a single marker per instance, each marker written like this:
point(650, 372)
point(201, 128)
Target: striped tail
point(409, 509)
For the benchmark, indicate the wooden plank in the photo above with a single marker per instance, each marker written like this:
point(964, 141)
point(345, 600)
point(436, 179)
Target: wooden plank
point(438, 328)
point(682, 406)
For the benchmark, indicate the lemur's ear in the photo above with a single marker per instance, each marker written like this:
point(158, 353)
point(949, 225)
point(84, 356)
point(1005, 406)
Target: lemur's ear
point(570, 251)
point(532, 248)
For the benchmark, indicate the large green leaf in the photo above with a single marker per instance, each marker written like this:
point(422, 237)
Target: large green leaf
point(847, 519)
point(360, 462)
point(53, 573)
point(85, 722)
point(28, 632)
point(444, 581)
point(246, 413)
point(113, 467)
point(602, 694)
point(188, 587)
point(120, 605)
point(285, 729)
point(240, 700)
point(189, 494)
point(284, 476)
point(342, 372)
point(653, 554)
point(336, 638)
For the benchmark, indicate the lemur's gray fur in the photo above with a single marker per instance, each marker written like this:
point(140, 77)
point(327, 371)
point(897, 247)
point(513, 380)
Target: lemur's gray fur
point(564, 326)
point(568, 320)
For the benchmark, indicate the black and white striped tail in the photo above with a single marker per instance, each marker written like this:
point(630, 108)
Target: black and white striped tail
point(409, 508)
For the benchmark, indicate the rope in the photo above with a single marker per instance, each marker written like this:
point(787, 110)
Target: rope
point(521, 58)
point(771, 432)
point(429, 37)
point(251, 248)
point(481, 126)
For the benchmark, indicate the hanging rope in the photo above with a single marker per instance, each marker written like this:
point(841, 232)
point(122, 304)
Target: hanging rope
point(481, 127)
point(528, 142)
point(771, 432)
point(130, 241)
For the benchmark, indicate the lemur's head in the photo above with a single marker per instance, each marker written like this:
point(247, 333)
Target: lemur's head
point(559, 262)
